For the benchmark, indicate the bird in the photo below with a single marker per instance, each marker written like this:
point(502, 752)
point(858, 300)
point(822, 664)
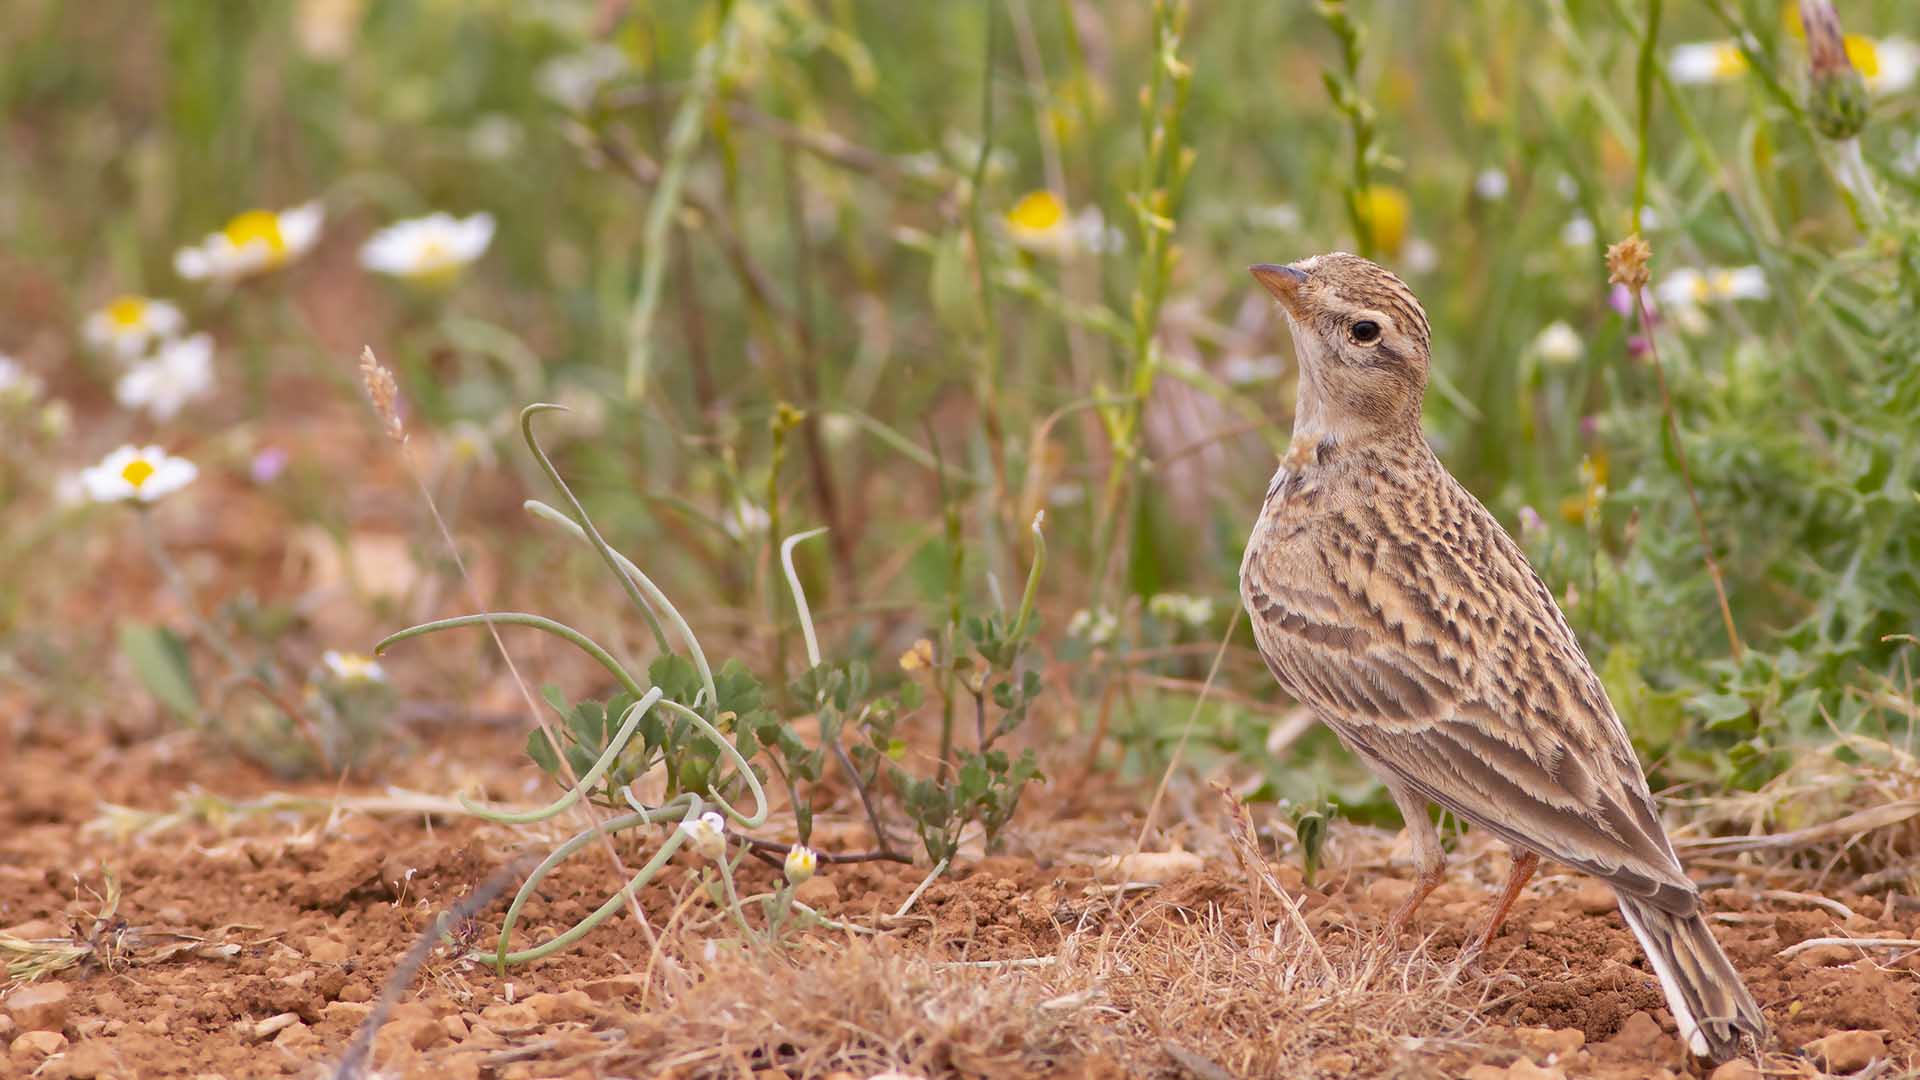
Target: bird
point(1391, 603)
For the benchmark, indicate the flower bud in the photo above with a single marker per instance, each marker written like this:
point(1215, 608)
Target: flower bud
point(801, 863)
point(1836, 92)
point(707, 836)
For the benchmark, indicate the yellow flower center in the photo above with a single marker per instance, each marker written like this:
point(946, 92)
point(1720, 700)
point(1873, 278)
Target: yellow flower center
point(1864, 56)
point(1384, 211)
point(136, 472)
point(1037, 211)
point(127, 312)
point(257, 227)
point(1728, 61)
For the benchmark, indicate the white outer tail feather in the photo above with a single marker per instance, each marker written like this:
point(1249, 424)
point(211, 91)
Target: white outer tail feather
point(1690, 1032)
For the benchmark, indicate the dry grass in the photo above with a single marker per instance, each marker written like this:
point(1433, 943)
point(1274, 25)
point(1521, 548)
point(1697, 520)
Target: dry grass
point(1198, 982)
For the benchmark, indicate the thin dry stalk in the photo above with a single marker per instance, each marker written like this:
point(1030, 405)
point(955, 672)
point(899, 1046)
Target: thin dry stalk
point(383, 393)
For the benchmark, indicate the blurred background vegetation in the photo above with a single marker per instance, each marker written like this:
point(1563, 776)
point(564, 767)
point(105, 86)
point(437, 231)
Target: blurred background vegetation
point(994, 253)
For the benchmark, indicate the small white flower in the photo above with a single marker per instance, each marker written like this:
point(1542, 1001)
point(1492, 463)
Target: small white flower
point(1567, 186)
point(707, 836)
point(1092, 233)
point(745, 519)
point(161, 384)
point(16, 382)
point(1491, 184)
point(1094, 627)
point(1688, 287)
point(573, 80)
point(432, 248)
point(801, 863)
point(129, 324)
point(252, 243)
point(132, 472)
point(1559, 344)
point(1420, 257)
point(1578, 231)
point(1194, 611)
point(1702, 62)
point(352, 668)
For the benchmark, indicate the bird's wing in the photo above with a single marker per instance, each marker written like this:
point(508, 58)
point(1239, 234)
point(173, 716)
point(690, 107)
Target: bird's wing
point(1450, 666)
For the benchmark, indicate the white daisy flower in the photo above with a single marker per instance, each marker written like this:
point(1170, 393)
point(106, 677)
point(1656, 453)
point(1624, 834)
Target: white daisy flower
point(252, 243)
point(164, 382)
point(801, 863)
point(1688, 287)
point(1559, 344)
point(16, 381)
point(1491, 184)
point(135, 472)
point(1039, 223)
point(1886, 65)
point(352, 668)
point(432, 248)
point(1578, 231)
point(129, 324)
point(1702, 62)
point(1091, 233)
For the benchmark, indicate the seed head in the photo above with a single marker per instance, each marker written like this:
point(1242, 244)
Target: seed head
point(383, 393)
point(1627, 262)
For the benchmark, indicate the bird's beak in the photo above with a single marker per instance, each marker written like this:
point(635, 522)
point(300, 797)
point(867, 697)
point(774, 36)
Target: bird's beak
point(1282, 281)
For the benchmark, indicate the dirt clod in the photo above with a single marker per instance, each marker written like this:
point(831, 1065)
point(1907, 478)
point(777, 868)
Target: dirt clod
point(1847, 1051)
point(37, 1044)
point(1543, 1043)
point(39, 1006)
point(1737, 1069)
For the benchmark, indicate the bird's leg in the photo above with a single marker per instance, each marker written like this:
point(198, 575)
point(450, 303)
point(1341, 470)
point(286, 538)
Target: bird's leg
point(1524, 863)
point(1429, 859)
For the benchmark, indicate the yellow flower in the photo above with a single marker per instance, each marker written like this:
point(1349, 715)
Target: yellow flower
point(253, 242)
point(917, 658)
point(1384, 213)
point(1578, 509)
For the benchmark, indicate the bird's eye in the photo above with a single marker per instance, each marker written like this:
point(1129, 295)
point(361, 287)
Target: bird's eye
point(1366, 331)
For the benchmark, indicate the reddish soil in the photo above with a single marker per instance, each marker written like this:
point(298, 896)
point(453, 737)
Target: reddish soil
point(320, 912)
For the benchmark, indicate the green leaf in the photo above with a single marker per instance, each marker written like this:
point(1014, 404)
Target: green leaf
point(159, 658)
point(541, 751)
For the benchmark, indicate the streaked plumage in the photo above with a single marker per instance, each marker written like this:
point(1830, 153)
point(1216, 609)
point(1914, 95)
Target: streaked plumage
point(1385, 597)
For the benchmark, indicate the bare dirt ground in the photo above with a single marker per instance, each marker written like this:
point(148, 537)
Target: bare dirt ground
point(257, 945)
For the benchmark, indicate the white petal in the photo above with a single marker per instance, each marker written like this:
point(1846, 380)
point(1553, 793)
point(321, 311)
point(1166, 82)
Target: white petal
point(192, 263)
point(300, 227)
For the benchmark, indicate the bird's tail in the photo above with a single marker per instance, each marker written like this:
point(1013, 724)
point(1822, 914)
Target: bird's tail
point(1710, 1004)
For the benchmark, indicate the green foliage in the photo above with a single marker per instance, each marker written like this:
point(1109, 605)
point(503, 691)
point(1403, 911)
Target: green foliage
point(159, 658)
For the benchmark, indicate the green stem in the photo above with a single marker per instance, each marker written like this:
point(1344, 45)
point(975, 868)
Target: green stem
point(682, 138)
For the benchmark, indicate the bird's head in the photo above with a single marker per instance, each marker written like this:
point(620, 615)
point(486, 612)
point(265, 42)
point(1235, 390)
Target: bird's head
point(1361, 339)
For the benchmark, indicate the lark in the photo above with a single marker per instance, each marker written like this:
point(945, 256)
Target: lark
point(1388, 600)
